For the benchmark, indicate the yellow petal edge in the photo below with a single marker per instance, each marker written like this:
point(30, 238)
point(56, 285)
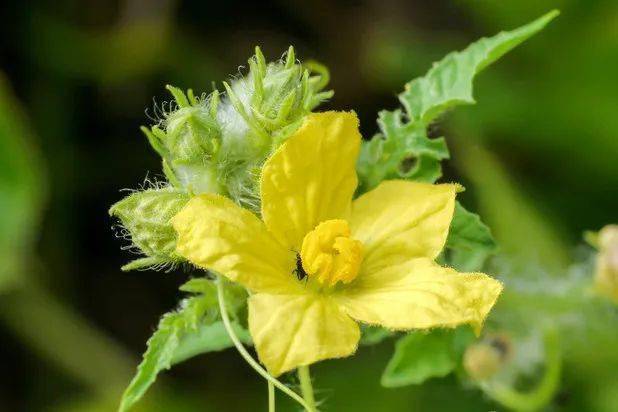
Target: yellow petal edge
point(400, 220)
point(295, 330)
point(420, 294)
point(216, 234)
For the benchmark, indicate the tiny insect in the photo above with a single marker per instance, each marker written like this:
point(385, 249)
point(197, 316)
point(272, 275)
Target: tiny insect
point(299, 271)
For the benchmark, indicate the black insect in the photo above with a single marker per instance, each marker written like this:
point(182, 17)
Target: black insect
point(299, 271)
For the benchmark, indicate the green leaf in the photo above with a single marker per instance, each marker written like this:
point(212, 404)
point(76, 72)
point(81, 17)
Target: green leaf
point(469, 242)
point(194, 328)
point(372, 335)
point(402, 149)
point(235, 295)
point(22, 191)
point(422, 355)
point(208, 338)
point(146, 218)
point(449, 82)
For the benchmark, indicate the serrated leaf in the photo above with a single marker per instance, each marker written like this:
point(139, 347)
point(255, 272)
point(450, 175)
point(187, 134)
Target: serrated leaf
point(208, 338)
point(193, 329)
point(235, 295)
point(402, 149)
point(449, 82)
point(419, 356)
point(161, 348)
point(469, 241)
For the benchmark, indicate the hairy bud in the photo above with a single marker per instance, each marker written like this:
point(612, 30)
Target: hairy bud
point(484, 359)
point(145, 219)
point(218, 143)
point(188, 139)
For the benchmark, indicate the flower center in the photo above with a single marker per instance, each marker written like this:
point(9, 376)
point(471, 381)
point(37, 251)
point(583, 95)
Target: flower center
point(330, 255)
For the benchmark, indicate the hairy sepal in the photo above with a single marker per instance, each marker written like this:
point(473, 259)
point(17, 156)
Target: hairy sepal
point(217, 143)
point(145, 222)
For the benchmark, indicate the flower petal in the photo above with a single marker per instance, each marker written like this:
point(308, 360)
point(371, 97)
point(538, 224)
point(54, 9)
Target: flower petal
point(295, 330)
point(420, 294)
point(312, 177)
point(400, 220)
point(215, 233)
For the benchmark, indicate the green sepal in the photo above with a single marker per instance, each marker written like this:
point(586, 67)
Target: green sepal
point(145, 216)
point(217, 143)
point(422, 355)
point(193, 329)
point(469, 241)
point(187, 139)
point(258, 113)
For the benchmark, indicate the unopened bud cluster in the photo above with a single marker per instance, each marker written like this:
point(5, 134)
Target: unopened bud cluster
point(217, 143)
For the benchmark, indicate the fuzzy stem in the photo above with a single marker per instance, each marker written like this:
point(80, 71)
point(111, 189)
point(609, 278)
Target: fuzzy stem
point(243, 352)
point(307, 388)
point(271, 397)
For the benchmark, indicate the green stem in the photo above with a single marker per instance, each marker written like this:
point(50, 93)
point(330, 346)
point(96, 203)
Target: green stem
point(271, 397)
point(243, 352)
point(545, 390)
point(307, 388)
point(66, 339)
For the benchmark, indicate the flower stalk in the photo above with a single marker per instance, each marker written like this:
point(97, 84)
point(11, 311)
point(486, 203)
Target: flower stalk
point(306, 388)
point(271, 397)
point(247, 357)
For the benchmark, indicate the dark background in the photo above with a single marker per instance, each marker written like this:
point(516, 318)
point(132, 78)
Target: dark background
point(83, 74)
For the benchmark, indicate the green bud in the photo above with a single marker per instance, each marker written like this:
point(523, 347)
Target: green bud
point(145, 217)
point(606, 276)
point(218, 144)
point(188, 140)
point(259, 112)
point(484, 359)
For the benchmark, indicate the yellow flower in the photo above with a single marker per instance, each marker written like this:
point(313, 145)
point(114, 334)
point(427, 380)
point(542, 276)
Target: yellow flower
point(318, 262)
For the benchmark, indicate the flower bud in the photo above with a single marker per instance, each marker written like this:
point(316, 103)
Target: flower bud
point(145, 219)
point(218, 144)
point(188, 142)
point(606, 276)
point(484, 359)
point(258, 113)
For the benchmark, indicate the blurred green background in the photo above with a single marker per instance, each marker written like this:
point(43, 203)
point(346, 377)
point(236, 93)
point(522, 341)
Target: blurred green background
point(75, 80)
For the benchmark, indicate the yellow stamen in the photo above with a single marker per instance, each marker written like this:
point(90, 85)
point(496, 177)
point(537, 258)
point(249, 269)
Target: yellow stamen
point(330, 255)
